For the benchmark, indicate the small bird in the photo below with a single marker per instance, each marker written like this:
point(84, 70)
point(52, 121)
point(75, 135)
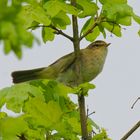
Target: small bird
point(91, 61)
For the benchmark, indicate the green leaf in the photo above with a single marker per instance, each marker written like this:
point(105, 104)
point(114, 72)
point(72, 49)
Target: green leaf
point(43, 114)
point(92, 124)
point(92, 36)
point(115, 29)
point(54, 110)
point(69, 126)
point(35, 134)
point(3, 94)
point(12, 30)
point(17, 95)
point(87, 25)
point(83, 88)
point(101, 136)
point(94, 33)
point(3, 115)
point(47, 34)
point(75, 124)
point(55, 6)
point(61, 20)
point(68, 8)
point(102, 30)
point(139, 32)
point(89, 8)
point(125, 21)
point(7, 46)
point(8, 31)
point(113, 1)
point(36, 13)
point(26, 38)
point(115, 11)
point(136, 18)
point(11, 127)
point(52, 86)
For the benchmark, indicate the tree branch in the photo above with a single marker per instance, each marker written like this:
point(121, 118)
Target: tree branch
point(129, 133)
point(83, 118)
point(76, 41)
point(58, 31)
point(81, 98)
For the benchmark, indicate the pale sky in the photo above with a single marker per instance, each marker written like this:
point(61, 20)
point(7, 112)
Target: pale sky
point(117, 87)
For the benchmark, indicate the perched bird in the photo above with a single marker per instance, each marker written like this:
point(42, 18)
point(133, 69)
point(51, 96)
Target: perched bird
point(91, 61)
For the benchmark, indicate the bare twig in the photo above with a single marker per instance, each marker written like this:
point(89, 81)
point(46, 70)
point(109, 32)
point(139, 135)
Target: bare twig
point(135, 102)
point(91, 113)
point(129, 133)
point(88, 114)
point(58, 31)
point(87, 111)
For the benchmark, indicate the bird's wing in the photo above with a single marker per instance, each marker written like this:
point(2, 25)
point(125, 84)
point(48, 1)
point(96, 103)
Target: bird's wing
point(62, 64)
point(50, 72)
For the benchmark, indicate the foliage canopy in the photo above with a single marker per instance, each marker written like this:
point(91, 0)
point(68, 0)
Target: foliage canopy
point(18, 17)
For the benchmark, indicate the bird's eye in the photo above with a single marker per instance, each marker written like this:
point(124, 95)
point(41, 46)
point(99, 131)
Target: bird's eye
point(97, 45)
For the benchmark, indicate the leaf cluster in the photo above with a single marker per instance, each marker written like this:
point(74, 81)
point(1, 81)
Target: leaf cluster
point(113, 16)
point(12, 32)
point(53, 16)
point(45, 111)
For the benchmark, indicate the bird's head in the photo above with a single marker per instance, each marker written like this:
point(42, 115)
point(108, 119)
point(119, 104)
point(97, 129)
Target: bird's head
point(98, 43)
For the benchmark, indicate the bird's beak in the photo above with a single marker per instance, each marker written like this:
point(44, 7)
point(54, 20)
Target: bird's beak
point(108, 44)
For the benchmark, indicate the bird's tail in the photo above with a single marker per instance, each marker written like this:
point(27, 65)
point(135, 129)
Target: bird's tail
point(26, 75)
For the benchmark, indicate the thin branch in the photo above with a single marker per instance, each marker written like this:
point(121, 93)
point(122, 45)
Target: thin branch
point(89, 31)
point(58, 31)
point(91, 113)
point(133, 129)
point(98, 19)
point(88, 114)
point(135, 103)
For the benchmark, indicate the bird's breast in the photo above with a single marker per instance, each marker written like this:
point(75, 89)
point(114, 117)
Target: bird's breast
point(92, 63)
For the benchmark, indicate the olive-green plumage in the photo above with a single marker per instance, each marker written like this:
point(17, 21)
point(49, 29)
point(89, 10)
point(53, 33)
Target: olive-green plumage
point(90, 64)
